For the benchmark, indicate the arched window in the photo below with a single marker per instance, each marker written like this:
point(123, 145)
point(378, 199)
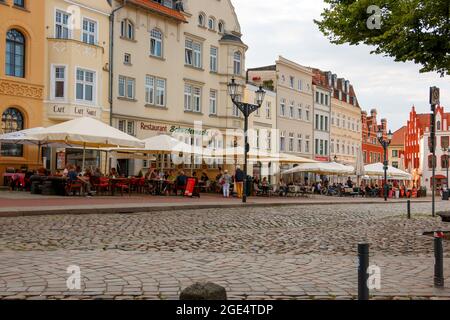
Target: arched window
point(212, 23)
point(156, 42)
point(444, 162)
point(431, 163)
point(12, 121)
point(237, 62)
point(221, 27)
point(15, 54)
point(201, 19)
point(438, 126)
point(127, 29)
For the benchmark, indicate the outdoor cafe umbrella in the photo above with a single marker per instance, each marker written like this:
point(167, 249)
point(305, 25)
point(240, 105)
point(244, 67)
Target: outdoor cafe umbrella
point(377, 170)
point(87, 133)
point(322, 168)
point(25, 137)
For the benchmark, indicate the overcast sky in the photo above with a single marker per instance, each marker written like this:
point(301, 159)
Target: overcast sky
point(286, 27)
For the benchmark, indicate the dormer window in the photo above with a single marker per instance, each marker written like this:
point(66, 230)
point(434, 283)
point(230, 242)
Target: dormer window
point(201, 19)
point(221, 27)
point(127, 29)
point(212, 24)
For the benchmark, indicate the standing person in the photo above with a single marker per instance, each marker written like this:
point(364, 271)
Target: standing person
point(226, 182)
point(239, 180)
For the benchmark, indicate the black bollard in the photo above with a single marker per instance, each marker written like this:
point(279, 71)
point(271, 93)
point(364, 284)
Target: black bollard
point(363, 276)
point(439, 263)
point(409, 209)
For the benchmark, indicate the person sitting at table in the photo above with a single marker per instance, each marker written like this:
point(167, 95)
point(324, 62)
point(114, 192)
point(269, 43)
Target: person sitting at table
point(265, 186)
point(283, 188)
point(86, 180)
point(349, 182)
point(204, 177)
point(113, 173)
point(150, 174)
point(181, 182)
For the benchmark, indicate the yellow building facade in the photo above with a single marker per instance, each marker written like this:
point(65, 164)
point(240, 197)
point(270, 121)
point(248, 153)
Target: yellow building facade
point(76, 69)
point(21, 78)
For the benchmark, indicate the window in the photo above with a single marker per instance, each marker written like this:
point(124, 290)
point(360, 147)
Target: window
point(291, 142)
point(299, 113)
point(19, 3)
point(212, 24)
point(213, 59)
point(394, 153)
point(126, 87)
point(156, 44)
point(431, 163)
point(12, 121)
point(307, 115)
point(59, 82)
point(193, 54)
point(237, 63)
point(192, 98)
point(317, 122)
point(282, 141)
point(213, 102)
point(149, 90)
point(283, 107)
point(221, 26)
point(127, 127)
point(326, 124)
point(127, 59)
point(89, 31)
point(15, 54)
point(321, 123)
point(438, 126)
point(268, 108)
point(292, 81)
point(291, 111)
point(201, 19)
point(317, 146)
point(299, 143)
point(62, 30)
point(300, 85)
point(127, 29)
point(85, 86)
point(444, 162)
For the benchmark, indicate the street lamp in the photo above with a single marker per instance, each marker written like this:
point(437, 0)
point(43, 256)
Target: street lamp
point(247, 109)
point(385, 144)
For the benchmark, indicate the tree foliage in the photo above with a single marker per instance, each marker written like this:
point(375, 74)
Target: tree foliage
point(410, 30)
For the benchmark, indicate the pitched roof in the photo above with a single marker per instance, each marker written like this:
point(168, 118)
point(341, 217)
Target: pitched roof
point(399, 137)
point(160, 9)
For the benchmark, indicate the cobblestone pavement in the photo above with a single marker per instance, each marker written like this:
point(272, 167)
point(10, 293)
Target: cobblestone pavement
point(296, 252)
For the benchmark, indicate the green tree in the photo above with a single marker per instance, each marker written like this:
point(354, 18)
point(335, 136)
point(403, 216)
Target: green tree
point(410, 30)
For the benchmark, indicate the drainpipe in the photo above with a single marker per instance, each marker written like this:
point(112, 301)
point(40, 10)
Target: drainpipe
point(111, 60)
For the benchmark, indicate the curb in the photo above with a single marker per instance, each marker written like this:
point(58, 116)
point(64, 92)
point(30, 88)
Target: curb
point(164, 208)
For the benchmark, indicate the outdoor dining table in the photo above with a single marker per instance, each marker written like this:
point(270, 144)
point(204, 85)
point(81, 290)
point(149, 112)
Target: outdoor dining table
point(113, 182)
point(161, 186)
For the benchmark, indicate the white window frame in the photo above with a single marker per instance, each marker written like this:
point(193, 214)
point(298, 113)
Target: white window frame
point(161, 87)
point(155, 42)
point(213, 59)
point(126, 91)
point(88, 32)
point(213, 102)
point(62, 25)
point(149, 90)
point(85, 83)
point(237, 63)
point(54, 79)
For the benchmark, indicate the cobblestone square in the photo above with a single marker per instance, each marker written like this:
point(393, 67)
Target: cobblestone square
point(294, 252)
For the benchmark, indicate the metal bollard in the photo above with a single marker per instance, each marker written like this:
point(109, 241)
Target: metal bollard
point(409, 209)
point(439, 260)
point(363, 276)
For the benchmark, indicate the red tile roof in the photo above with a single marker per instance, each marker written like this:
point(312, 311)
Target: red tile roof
point(160, 9)
point(399, 137)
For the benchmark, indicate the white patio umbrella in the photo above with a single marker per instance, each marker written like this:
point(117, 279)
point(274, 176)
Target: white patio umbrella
point(377, 170)
point(87, 133)
point(25, 137)
point(322, 168)
point(359, 169)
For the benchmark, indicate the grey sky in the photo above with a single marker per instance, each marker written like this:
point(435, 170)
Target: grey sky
point(286, 27)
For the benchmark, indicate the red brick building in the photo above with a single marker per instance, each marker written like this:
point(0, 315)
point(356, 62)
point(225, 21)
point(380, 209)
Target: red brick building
point(418, 158)
point(372, 150)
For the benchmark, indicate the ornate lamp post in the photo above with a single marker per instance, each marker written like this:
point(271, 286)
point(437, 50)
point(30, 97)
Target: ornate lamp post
point(385, 144)
point(247, 109)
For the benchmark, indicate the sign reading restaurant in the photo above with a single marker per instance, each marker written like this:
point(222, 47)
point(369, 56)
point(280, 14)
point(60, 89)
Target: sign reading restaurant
point(171, 129)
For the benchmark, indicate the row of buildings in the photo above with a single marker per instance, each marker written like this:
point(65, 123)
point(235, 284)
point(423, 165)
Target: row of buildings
point(150, 67)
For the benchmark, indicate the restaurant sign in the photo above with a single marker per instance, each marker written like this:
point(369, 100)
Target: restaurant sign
point(61, 111)
point(171, 129)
